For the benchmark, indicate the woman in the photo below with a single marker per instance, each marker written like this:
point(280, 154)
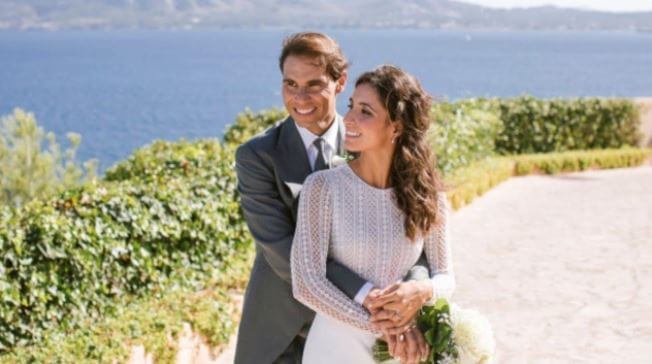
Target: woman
point(375, 214)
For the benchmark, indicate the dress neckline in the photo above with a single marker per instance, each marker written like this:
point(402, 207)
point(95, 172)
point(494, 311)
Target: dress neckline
point(361, 181)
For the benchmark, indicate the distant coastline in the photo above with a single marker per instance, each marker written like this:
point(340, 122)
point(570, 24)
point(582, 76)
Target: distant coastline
point(317, 14)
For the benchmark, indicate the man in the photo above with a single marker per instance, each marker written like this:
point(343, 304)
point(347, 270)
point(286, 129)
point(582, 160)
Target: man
point(271, 168)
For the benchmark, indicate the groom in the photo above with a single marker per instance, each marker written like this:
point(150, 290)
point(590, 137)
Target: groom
point(271, 169)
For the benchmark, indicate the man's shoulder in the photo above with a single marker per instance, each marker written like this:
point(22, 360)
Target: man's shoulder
point(266, 140)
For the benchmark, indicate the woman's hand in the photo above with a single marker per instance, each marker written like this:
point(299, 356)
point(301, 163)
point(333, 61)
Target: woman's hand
point(394, 308)
point(409, 347)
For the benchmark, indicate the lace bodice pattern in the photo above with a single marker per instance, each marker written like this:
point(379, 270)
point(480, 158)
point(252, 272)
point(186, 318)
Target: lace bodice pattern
point(342, 217)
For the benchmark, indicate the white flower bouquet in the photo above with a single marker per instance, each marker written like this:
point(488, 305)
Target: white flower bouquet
point(455, 336)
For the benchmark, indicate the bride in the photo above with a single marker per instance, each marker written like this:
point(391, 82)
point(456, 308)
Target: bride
point(376, 215)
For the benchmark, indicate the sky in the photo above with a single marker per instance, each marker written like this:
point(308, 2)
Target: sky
point(605, 5)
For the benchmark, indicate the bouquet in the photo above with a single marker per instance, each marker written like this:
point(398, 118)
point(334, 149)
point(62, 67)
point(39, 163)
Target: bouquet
point(455, 336)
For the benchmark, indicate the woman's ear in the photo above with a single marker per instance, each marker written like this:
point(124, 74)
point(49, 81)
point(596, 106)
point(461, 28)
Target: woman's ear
point(398, 129)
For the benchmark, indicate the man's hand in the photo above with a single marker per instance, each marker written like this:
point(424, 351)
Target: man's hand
point(394, 308)
point(371, 296)
point(409, 347)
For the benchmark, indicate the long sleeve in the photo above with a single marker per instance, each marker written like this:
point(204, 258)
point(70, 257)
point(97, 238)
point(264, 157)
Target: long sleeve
point(268, 219)
point(310, 247)
point(437, 247)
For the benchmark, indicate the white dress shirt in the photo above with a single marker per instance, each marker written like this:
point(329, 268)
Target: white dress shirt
point(330, 145)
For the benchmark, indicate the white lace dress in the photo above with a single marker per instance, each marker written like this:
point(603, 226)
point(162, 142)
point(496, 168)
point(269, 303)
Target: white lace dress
point(343, 217)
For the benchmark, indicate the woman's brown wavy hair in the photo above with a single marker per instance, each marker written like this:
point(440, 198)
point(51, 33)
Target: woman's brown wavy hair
point(413, 175)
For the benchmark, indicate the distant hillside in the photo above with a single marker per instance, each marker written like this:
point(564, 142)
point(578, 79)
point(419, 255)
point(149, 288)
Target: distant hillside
point(112, 14)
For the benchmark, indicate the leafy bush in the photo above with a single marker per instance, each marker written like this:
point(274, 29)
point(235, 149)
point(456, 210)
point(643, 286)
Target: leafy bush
point(27, 171)
point(72, 256)
point(542, 126)
point(467, 183)
point(248, 124)
point(573, 161)
point(463, 132)
point(153, 323)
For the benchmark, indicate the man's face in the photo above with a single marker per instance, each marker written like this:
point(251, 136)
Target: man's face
point(309, 93)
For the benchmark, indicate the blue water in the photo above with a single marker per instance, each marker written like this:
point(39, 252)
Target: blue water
point(122, 89)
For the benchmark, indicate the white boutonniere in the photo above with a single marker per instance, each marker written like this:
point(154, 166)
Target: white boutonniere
point(337, 161)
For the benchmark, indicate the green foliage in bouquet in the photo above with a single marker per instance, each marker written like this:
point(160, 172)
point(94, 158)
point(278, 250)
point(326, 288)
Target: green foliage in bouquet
point(435, 323)
point(437, 328)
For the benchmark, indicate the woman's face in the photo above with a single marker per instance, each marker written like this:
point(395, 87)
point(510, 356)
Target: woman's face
point(367, 122)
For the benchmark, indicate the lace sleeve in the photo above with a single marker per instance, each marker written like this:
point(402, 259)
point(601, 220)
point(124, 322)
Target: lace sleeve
point(308, 257)
point(437, 247)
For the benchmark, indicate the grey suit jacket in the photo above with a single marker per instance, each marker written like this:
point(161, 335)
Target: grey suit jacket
point(271, 169)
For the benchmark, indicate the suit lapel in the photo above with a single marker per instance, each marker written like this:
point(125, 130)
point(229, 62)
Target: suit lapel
point(291, 157)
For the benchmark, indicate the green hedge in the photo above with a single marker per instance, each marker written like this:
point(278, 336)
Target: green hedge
point(472, 181)
point(467, 183)
point(573, 161)
point(463, 132)
point(72, 256)
point(151, 321)
point(542, 126)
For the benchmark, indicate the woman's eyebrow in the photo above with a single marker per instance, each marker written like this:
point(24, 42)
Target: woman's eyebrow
point(367, 105)
point(362, 103)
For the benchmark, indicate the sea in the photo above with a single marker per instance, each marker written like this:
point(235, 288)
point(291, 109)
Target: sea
point(121, 90)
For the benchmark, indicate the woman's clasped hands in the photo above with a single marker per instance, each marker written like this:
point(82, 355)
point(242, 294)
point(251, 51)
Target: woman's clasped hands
point(393, 312)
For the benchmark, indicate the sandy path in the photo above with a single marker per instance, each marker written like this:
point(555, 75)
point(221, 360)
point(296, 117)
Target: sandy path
point(562, 266)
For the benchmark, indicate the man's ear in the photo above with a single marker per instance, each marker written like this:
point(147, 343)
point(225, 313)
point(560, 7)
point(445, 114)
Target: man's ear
point(340, 84)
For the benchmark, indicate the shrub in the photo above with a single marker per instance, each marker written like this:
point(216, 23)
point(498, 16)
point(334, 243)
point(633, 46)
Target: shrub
point(248, 124)
point(542, 126)
point(467, 183)
point(27, 171)
point(72, 256)
point(573, 161)
point(463, 132)
point(474, 180)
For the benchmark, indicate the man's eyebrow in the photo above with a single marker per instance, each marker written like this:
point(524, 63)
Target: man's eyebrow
point(310, 82)
point(316, 81)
